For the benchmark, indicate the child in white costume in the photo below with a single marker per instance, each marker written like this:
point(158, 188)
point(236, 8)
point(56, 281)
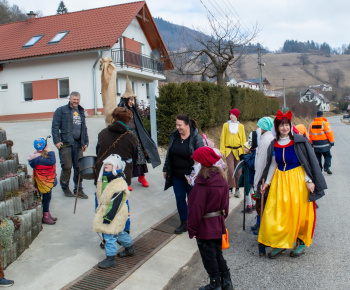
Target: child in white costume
point(112, 210)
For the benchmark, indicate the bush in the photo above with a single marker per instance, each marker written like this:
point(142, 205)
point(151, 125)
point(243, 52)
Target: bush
point(208, 104)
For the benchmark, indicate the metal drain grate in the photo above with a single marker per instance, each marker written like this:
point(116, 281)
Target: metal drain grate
point(146, 244)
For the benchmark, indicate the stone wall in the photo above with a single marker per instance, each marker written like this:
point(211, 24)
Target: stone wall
point(15, 203)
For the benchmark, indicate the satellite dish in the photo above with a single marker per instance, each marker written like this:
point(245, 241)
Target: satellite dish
point(155, 55)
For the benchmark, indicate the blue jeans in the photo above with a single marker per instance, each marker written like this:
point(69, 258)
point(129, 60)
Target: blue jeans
point(111, 242)
point(181, 189)
point(69, 156)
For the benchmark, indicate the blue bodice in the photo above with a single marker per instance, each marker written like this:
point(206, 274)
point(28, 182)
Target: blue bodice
point(285, 156)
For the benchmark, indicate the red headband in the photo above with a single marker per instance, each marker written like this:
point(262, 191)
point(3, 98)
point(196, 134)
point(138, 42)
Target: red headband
point(287, 115)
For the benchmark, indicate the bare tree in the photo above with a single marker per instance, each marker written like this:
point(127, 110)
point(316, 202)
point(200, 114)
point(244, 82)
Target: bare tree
point(336, 77)
point(304, 59)
point(214, 50)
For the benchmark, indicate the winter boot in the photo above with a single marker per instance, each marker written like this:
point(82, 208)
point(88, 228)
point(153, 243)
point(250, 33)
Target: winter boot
point(257, 225)
point(276, 252)
point(262, 249)
point(143, 181)
point(182, 228)
point(214, 284)
point(107, 263)
point(226, 283)
point(129, 251)
point(47, 220)
point(53, 218)
point(237, 193)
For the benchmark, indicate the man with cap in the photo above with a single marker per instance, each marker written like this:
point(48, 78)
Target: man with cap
point(322, 140)
point(265, 124)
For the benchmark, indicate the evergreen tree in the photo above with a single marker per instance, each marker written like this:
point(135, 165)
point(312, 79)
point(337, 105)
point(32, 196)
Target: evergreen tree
point(62, 9)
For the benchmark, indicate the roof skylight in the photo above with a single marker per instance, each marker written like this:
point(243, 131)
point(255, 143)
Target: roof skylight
point(58, 37)
point(33, 40)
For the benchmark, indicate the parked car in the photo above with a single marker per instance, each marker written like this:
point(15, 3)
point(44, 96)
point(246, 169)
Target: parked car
point(346, 116)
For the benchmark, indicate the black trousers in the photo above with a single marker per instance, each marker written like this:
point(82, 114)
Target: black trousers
point(327, 159)
point(211, 253)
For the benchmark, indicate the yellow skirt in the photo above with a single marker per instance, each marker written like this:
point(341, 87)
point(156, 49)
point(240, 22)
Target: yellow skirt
point(288, 214)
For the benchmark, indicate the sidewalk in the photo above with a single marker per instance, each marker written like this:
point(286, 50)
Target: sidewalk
point(64, 251)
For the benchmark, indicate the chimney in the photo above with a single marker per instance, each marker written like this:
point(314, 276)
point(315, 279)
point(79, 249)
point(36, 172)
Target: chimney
point(31, 15)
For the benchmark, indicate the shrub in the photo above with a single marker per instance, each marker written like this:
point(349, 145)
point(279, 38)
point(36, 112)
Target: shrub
point(208, 104)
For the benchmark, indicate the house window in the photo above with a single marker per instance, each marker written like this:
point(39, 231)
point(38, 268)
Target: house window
point(28, 91)
point(3, 87)
point(33, 40)
point(63, 86)
point(59, 36)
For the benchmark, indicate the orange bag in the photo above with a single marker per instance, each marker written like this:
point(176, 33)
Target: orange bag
point(225, 243)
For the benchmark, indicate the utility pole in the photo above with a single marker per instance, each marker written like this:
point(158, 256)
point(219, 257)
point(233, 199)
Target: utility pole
point(284, 94)
point(260, 71)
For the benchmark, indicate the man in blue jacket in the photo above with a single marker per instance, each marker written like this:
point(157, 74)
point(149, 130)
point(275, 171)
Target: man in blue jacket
point(70, 136)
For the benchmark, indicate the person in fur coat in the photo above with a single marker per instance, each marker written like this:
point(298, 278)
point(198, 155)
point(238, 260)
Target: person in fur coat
point(112, 210)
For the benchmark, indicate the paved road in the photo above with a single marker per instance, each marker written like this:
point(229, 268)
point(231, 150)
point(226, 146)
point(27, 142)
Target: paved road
point(326, 263)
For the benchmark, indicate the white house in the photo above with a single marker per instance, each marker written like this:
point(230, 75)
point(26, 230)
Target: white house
point(311, 95)
point(253, 84)
point(43, 59)
point(322, 87)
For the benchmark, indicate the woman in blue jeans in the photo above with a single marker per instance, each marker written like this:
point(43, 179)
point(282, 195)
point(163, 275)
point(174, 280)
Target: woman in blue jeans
point(178, 162)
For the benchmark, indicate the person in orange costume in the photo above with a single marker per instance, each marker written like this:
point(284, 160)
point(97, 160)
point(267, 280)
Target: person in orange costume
point(322, 140)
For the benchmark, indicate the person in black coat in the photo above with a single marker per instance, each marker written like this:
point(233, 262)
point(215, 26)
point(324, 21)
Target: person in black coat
point(147, 151)
point(178, 162)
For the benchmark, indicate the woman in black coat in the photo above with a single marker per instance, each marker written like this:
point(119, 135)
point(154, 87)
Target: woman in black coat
point(147, 151)
point(178, 162)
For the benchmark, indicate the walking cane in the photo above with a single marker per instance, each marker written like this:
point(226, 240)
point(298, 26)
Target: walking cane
point(76, 194)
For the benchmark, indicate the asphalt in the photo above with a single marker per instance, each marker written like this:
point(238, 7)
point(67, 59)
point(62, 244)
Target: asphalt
point(66, 250)
point(325, 265)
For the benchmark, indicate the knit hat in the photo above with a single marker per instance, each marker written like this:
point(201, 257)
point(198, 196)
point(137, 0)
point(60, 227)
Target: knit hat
point(319, 114)
point(205, 156)
point(39, 144)
point(116, 161)
point(302, 129)
point(235, 112)
point(265, 123)
point(128, 91)
point(122, 114)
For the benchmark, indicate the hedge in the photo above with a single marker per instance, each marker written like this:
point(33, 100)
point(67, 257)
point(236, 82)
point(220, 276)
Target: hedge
point(208, 104)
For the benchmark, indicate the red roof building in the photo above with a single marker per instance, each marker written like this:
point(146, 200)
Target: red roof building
point(43, 59)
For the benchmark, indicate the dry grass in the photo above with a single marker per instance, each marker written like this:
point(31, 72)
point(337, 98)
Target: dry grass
point(287, 66)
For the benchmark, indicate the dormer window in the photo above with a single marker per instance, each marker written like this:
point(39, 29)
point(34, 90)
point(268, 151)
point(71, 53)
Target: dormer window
point(59, 36)
point(33, 40)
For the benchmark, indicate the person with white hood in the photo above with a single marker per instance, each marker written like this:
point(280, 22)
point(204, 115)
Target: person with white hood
point(111, 214)
point(265, 124)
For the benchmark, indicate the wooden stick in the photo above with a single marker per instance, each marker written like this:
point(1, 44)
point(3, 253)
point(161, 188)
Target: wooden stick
point(76, 194)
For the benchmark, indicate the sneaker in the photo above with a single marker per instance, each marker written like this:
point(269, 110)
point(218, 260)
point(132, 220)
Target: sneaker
point(256, 232)
point(237, 193)
point(81, 194)
point(276, 252)
point(298, 250)
point(6, 283)
point(67, 192)
point(231, 192)
point(328, 171)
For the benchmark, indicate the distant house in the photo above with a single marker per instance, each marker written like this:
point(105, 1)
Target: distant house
point(311, 95)
point(273, 93)
point(253, 84)
point(322, 87)
point(43, 59)
point(231, 82)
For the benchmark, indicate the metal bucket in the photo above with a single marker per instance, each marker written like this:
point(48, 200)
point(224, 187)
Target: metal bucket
point(86, 167)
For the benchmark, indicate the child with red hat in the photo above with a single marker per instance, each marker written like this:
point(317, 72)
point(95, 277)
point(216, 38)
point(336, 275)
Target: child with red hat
point(208, 206)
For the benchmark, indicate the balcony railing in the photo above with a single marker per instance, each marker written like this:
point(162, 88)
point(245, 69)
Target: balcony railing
point(129, 58)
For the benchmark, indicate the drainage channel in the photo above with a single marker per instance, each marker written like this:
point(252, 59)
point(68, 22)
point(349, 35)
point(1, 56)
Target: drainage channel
point(146, 244)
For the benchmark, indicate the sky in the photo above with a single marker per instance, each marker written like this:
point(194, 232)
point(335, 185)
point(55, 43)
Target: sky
point(277, 20)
